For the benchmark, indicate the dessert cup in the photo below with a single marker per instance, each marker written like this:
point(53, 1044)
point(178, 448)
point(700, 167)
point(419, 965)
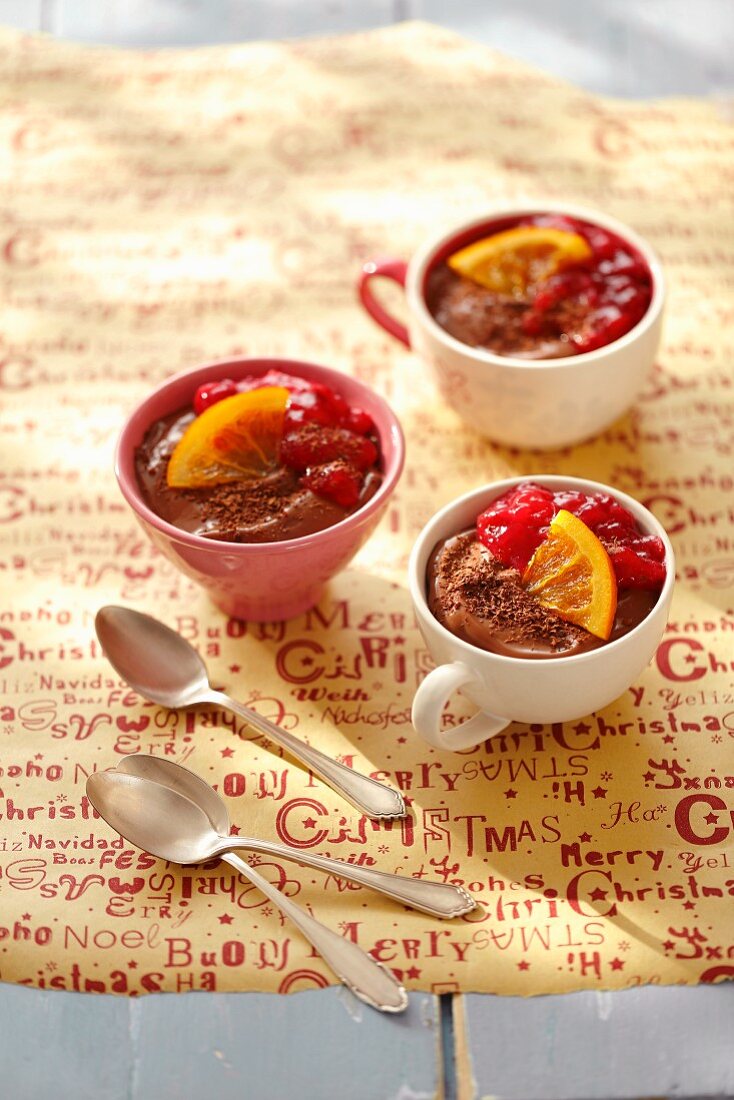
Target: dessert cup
point(539, 403)
point(260, 581)
point(507, 689)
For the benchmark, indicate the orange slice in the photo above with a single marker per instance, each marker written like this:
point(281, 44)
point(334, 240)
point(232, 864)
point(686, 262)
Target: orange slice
point(510, 262)
point(234, 439)
point(572, 574)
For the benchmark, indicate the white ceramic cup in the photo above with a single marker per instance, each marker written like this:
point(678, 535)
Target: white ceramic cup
point(506, 689)
point(525, 403)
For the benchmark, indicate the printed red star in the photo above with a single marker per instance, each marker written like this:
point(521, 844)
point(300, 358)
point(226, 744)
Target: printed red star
point(599, 792)
point(510, 793)
point(309, 823)
point(649, 777)
point(38, 756)
point(688, 905)
point(616, 964)
point(234, 668)
point(584, 837)
point(402, 740)
point(234, 830)
point(413, 972)
point(227, 752)
point(668, 739)
point(524, 965)
point(711, 818)
point(225, 918)
point(668, 945)
point(25, 916)
point(598, 894)
point(132, 965)
point(581, 727)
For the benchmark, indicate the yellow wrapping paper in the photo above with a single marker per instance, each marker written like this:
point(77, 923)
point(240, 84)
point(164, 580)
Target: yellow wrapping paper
point(162, 209)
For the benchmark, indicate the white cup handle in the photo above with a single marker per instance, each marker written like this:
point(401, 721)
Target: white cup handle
point(431, 697)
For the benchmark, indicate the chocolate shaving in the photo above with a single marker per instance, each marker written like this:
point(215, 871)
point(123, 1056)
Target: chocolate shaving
point(467, 583)
point(482, 318)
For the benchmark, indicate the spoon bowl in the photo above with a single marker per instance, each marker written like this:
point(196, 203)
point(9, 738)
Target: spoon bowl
point(162, 666)
point(157, 819)
point(154, 660)
point(183, 780)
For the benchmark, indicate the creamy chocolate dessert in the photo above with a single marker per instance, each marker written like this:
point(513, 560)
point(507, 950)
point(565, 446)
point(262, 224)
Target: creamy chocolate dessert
point(506, 587)
point(481, 600)
point(292, 459)
point(541, 287)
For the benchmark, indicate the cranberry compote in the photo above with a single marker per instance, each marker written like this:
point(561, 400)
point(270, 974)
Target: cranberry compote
point(595, 288)
point(613, 285)
point(516, 523)
point(329, 443)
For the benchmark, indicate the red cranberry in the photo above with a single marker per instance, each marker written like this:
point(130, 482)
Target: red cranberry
point(309, 408)
point(337, 481)
point(515, 524)
point(331, 400)
point(513, 527)
point(212, 392)
point(634, 571)
point(274, 378)
point(308, 447)
point(359, 421)
point(603, 325)
point(553, 221)
point(622, 263)
point(603, 244)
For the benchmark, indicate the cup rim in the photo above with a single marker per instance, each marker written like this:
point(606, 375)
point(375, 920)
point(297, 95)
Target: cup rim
point(422, 258)
point(124, 453)
point(489, 492)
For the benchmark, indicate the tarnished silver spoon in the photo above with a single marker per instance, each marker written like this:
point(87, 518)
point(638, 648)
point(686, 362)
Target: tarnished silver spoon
point(439, 899)
point(168, 825)
point(161, 666)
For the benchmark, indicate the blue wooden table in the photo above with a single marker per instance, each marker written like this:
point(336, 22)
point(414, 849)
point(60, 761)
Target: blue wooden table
point(324, 1045)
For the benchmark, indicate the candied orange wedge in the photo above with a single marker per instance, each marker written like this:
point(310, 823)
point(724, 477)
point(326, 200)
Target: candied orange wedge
point(234, 439)
point(572, 574)
point(511, 261)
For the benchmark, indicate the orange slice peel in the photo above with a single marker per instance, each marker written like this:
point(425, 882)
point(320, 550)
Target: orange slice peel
point(572, 574)
point(235, 439)
point(516, 259)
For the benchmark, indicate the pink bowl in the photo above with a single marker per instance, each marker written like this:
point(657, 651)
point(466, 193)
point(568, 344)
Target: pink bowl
point(260, 581)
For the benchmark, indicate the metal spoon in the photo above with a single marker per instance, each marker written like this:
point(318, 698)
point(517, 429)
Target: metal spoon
point(168, 825)
point(162, 666)
point(439, 899)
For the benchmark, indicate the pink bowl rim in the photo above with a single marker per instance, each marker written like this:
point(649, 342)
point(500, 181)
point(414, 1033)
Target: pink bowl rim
point(389, 426)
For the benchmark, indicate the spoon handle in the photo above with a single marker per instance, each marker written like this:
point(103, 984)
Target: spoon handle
point(439, 899)
point(369, 796)
point(369, 980)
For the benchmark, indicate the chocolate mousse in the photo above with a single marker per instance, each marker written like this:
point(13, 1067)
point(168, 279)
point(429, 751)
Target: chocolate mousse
point(546, 574)
point(483, 602)
point(483, 319)
point(324, 466)
point(571, 288)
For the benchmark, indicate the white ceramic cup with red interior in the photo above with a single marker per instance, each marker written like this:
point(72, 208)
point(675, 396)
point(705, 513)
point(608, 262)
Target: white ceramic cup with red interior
point(540, 403)
point(507, 689)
